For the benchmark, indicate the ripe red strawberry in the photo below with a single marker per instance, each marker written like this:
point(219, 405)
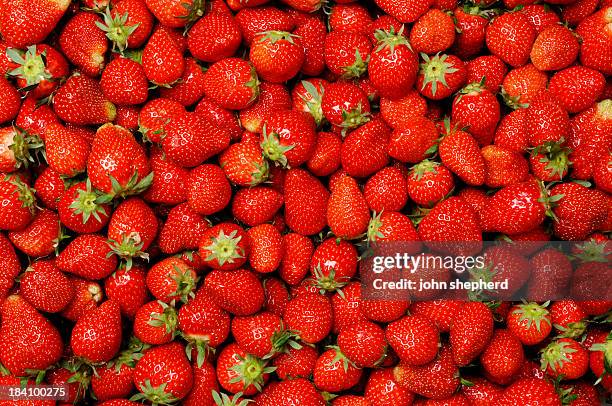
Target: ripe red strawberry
point(312, 35)
point(386, 190)
point(87, 295)
point(155, 323)
point(460, 153)
point(276, 296)
point(413, 141)
point(124, 82)
point(115, 380)
point(169, 184)
point(39, 238)
point(10, 264)
point(34, 118)
point(239, 371)
point(292, 391)
point(325, 159)
point(266, 250)
point(393, 65)
point(174, 13)
point(224, 246)
point(66, 150)
point(555, 48)
point(49, 188)
point(392, 226)
point(565, 357)
point(296, 362)
point(579, 211)
point(28, 341)
point(333, 264)
point(440, 312)
point(232, 83)
point(219, 116)
point(381, 389)
point(550, 161)
point(541, 16)
point(244, 163)
point(350, 17)
point(88, 257)
point(577, 88)
point(435, 380)
point(19, 149)
point(347, 53)
point(288, 137)
point(516, 208)
point(529, 322)
point(510, 36)
point(272, 97)
point(80, 101)
point(414, 339)
point(310, 316)
point(117, 164)
point(277, 55)
point(128, 24)
point(397, 112)
point(345, 105)
point(154, 116)
point(511, 132)
point(503, 357)
point(189, 89)
point(440, 76)
point(257, 205)
point(307, 96)
point(128, 289)
point(488, 69)
point(551, 272)
point(171, 279)
point(260, 19)
point(295, 263)
point(470, 332)
point(546, 120)
point(305, 202)
point(261, 334)
point(182, 230)
point(334, 373)
point(503, 167)
point(207, 47)
point(364, 149)
point(84, 43)
point(471, 24)
point(433, 32)
point(79, 211)
point(162, 60)
point(17, 210)
point(40, 69)
point(29, 22)
point(568, 318)
point(521, 85)
point(406, 11)
point(238, 292)
point(363, 344)
point(595, 47)
point(208, 190)
point(477, 109)
point(46, 287)
point(163, 374)
point(204, 385)
point(429, 182)
point(97, 334)
point(347, 211)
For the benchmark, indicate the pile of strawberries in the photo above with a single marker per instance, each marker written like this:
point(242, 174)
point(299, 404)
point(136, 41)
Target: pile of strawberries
point(186, 188)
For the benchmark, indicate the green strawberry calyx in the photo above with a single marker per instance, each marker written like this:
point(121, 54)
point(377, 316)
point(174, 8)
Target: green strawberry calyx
point(250, 370)
point(357, 68)
point(128, 248)
point(532, 312)
point(167, 319)
point(32, 66)
point(157, 395)
point(556, 354)
point(555, 156)
point(225, 248)
point(222, 399)
point(434, 71)
point(273, 149)
point(116, 29)
point(86, 204)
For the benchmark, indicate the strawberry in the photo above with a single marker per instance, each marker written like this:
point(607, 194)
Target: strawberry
point(503, 357)
point(433, 32)
point(392, 60)
point(347, 211)
point(555, 48)
point(414, 339)
point(49, 188)
point(124, 82)
point(266, 248)
point(565, 357)
point(386, 190)
point(381, 389)
point(169, 184)
point(392, 226)
point(406, 11)
point(87, 256)
point(345, 106)
point(333, 264)
point(80, 101)
point(28, 340)
point(307, 96)
point(292, 391)
point(522, 85)
point(128, 289)
point(579, 211)
point(296, 362)
point(163, 374)
point(269, 49)
point(295, 263)
point(511, 132)
point(529, 322)
point(204, 385)
point(429, 182)
point(29, 22)
point(87, 295)
point(397, 112)
point(577, 88)
point(84, 43)
point(208, 190)
point(117, 164)
point(115, 380)
point(96, 336)
point(364, 149)
point(39, 238)
point(440, 76)
point(79, 211)
point(171, 279)
point(128, 24)
point(260, 19)
point(154, 116)
point(66, 150)
point(238, 292)
point(305, 202)
point(511, 36)
point(257, 205)
point(578, 11)
point(471, 25)
point(550, 161)
point(11, 102)
point(551, 271)
point(209, 110)
point(34, 118)
point(568, 318)
point(174, 13)
point(207, 47)
point(312, 35)
point(546, 120)
point(204, 325)
point(288, 137)
point(595, 47)
point(516, 208)
point(440, 312)
point(236, 93)
point(541, 16)
point(182, 230)
point(17, 209)
point(239, 371)
point(224, 246)
point(503, 167)
point(477, 109)
point(310, 316)
point(488, 69)
point(602, 174)
point(155, 323)
point(435, 380)
point(470, 332)
point(162, 60)
point(244, 164)
point(363, 344)
point(189, 89)
point(272, 97)
point(349, 17)
point(460, 153)
point(590, 138)
point(35, 283)
point(348, 400)
point(326, 157)
point(276, 296)
point(40, 69)
point(413, 141)
point(307, 6)
point(132, 228)
point(334, 373)
point(10, 265)
point(347, 53)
